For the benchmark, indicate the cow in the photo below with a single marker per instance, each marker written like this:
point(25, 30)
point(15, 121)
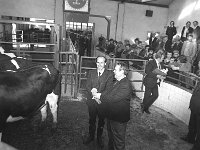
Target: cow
point(9, 62)
point(25, 91)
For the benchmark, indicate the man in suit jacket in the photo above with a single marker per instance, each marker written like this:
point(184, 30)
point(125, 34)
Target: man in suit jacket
point(153, 41)
point(114, 104)
point(196, 32)
point(185, 31)
point(171, 31)
point(98, 80)
point(193, 135)
point(151, 81)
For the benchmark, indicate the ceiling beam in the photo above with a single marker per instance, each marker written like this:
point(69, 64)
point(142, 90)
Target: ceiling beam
point(142, 3)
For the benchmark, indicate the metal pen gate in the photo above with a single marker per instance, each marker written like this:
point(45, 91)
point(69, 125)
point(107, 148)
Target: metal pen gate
point(45, 50)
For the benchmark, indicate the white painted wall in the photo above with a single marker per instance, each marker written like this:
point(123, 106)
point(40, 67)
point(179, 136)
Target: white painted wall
point(43, 9)
point(132, 22)
point(188, 9)
point(171, 98)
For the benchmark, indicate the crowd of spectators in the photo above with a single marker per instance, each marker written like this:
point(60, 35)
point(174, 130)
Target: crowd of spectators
point(178, 50)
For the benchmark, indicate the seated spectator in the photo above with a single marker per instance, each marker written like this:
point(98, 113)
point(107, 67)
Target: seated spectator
point(144, 52)
point(125, 53)
point(150, 54)
point(119, 49)
point(168, 58)
point(177, 44)
point(184, 65)
point(110, 47)
point(175, 55)
point(102, 44)
point(126, 42)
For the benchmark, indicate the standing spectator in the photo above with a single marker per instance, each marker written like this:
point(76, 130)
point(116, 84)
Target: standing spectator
point(171, 31)
point(196, 31)
point(114, 103)
point(98, 80)
point(193, 135)
point(153, 41)
point(151, 81)
point(185, 31)
point(189, 49)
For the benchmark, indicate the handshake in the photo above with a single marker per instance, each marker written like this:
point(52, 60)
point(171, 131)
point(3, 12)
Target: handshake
point(96, 95)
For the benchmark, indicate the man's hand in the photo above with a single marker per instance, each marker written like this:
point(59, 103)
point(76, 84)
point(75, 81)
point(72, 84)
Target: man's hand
point(94, 91)
point(97, 95)
point(161, 77)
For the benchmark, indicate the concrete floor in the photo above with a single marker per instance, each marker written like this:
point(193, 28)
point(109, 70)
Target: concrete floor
point(157, 131)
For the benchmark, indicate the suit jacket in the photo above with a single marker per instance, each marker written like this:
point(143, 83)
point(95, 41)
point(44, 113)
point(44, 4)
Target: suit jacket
point(170, 32)
point(194, 101)
point(153, 43)
point(196, 34)
point(190, 30)
point(150, 80)
point(105, 81)
point(116, 101)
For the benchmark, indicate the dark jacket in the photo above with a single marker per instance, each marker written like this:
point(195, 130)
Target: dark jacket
point(196, 34)
point(170, 32)
point(105, 81)
point(195, 101)
point(116, 101)
point(190, 30)
point(153, 43)
point(150, 79)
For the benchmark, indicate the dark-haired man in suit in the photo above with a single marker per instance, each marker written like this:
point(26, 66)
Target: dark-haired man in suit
point(186, 30)
point(114, 104)
point(98, 80)
point(151, 81)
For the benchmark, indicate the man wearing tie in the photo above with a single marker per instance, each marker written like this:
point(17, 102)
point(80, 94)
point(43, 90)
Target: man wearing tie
point(114, 104)
point(151, 81)
point(98, 80)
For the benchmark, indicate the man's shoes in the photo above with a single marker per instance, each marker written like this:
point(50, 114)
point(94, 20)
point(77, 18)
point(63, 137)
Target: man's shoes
point(186, 139)
point(100, 142)
point(88, 139)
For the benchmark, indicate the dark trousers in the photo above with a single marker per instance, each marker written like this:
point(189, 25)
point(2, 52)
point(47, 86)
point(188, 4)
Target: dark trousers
point(150, 95)
point(194, 130)
point(93, 115)
point(116, 135)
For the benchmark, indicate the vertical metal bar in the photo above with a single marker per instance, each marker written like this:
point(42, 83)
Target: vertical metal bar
point(72, 76)
point(66, 71)
point(76, 76)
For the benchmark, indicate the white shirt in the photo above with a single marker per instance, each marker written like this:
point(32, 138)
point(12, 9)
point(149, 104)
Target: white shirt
point(100, 72)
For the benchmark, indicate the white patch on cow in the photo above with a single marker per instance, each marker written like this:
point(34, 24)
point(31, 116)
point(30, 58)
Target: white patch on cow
point(47, 69)
point(11, 55)
point(10, 71)
point(13, 119)
point(22, 57)
point(52, 99)
point(15, 63)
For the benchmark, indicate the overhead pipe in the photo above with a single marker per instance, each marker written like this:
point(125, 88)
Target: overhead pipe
point(108, 19)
